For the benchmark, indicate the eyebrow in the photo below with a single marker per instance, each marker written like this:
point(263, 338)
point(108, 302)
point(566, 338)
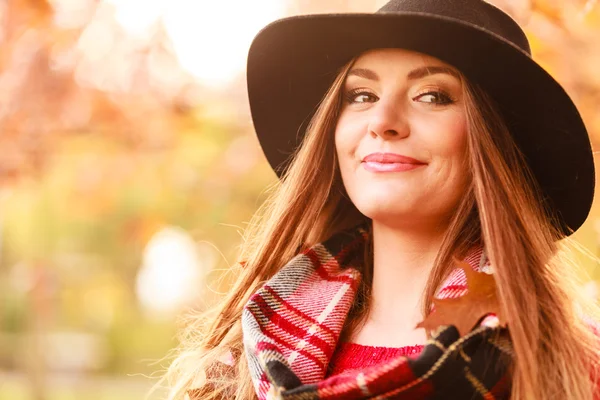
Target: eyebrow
point(417, 73)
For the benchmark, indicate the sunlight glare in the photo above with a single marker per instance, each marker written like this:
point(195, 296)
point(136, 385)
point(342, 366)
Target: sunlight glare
point(210, 38)
point(173, 272)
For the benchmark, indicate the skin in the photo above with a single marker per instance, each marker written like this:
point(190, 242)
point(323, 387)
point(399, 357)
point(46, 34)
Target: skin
point(393, 104)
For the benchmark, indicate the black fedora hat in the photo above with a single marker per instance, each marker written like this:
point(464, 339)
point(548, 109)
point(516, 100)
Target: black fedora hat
point(293, 61)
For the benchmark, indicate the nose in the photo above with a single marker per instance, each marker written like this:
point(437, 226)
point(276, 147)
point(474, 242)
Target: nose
point(388, 121)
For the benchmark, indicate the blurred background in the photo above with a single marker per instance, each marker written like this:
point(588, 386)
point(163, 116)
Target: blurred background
point(129, 167)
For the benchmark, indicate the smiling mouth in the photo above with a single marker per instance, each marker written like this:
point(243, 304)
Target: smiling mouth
point(390, 162)
point(374, 166)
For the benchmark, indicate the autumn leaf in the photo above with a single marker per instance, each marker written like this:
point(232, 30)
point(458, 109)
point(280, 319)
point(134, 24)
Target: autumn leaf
point(465, 311)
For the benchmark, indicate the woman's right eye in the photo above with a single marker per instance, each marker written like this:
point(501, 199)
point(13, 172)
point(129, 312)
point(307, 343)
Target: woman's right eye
point(360, 96)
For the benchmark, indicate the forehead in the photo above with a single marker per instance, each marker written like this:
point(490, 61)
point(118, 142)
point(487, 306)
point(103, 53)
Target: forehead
point(397, 58)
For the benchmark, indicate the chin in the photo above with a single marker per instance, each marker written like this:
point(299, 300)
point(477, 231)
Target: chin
point(387, 211)
point(400, 211)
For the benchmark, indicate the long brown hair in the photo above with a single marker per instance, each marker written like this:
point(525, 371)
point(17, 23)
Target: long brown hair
point(502, 208)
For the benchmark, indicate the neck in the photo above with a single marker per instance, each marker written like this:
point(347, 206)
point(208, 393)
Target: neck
point(403, 259)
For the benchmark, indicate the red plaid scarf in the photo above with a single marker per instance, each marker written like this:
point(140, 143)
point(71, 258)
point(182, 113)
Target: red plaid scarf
point(292, 324)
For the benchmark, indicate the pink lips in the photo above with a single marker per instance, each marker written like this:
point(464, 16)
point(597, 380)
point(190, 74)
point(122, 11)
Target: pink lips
point(390, 162)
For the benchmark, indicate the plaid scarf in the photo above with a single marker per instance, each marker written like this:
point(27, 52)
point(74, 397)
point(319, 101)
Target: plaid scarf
point(292, 324)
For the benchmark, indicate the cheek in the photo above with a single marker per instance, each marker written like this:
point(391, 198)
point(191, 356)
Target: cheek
point(449, 136)
point(452, 152)
point(458, 138)
point(445, 138)
point(347, 138)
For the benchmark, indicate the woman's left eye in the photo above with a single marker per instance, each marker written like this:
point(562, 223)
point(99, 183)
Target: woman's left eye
point(435, 97)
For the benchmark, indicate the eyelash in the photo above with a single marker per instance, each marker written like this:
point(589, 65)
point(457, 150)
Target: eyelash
point(447, 99)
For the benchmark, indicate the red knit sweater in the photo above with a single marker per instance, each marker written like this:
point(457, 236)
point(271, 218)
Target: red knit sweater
point(352, 356)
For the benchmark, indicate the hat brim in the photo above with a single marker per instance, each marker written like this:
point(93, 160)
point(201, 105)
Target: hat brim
point(293, 61)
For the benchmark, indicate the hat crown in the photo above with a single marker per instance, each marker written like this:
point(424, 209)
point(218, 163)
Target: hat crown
point(474, 12)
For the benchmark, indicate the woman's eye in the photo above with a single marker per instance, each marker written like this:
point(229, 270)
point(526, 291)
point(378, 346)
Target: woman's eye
point(435, 98)
point(360, 97)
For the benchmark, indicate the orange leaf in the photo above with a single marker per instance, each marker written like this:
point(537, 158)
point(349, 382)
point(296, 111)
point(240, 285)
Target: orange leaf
point(465, 312)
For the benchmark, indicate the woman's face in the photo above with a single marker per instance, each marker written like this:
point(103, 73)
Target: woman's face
point(401, 137)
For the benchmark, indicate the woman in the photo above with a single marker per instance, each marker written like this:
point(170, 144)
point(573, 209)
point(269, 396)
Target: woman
point(433, 137)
